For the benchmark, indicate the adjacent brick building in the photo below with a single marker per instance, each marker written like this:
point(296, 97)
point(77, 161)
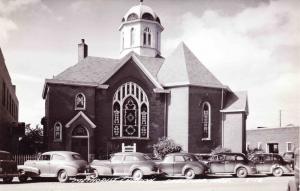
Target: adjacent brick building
point(274, 140)
point(99, 103)
point(9, 106)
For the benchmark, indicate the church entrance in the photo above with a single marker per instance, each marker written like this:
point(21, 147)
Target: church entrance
point(80, 141)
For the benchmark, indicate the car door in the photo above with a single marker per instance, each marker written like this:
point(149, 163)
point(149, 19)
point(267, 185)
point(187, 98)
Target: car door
point(267, 163)
point(56, 162)
point(217, 164)
point(166, 166)
point(43, 164)
point(116, 163)
point(178, 165)
point(128, 162)
point(229, 163)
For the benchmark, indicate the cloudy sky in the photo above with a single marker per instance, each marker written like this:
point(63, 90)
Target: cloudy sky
point(248, 44)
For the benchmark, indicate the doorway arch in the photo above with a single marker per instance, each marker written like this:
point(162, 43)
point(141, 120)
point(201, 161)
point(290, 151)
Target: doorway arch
point(80, 141)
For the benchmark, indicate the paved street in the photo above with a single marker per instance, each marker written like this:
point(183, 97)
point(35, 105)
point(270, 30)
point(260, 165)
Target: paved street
point(261, 183)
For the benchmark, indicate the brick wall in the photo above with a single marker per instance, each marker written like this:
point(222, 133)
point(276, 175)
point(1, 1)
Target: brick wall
point(273, 135)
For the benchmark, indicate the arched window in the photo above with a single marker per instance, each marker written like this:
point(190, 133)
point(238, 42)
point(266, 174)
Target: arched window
point(80, 102)
point(147, 16)
point(79, 131)
point(206, 121)
point(130, 112)
point(57, 131)
point(132, 17)
point(147, 36)
point(132, 36)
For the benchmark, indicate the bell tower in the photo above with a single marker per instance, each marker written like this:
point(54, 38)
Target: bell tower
point(140, 31)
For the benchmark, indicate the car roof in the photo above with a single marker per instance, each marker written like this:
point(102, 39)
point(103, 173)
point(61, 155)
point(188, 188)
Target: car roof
point(240, 154)
point(59, 152)
point(6, 152)
point(180, 154)
point(128, 153)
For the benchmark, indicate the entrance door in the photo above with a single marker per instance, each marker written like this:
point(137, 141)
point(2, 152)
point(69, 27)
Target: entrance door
point(80, 141)
point(80, 145)
point(273, 147)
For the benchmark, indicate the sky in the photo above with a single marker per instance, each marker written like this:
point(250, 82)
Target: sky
point(250, 45)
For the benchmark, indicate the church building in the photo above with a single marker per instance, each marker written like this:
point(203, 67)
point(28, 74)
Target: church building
point(99, 103)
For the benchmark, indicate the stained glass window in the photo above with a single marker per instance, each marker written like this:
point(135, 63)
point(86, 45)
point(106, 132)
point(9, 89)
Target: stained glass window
point(80, 102)
point(206, 123)
point(130, 112)
point(57, 131)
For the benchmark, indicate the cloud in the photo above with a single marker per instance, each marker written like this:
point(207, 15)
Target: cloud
point(6, 27)
point(9, 6)
point(257, 50)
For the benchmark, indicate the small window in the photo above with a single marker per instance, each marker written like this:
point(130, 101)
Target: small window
point(206, 121)
point(131, 158)
point(57, 131)
point(188, 158)
point(230, 157)
point(239, 158)
point(132, 17)
point(132, 36)
point(289, 146)
point(116, 159)
point(168, 159)
point(179, 159)
point(80, 102)
point(45, 157)
point(57, 157)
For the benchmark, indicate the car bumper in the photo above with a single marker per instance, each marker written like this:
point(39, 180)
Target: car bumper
point(9, 175)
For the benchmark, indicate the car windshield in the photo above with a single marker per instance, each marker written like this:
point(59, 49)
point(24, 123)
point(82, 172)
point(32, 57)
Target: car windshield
point(76, 157)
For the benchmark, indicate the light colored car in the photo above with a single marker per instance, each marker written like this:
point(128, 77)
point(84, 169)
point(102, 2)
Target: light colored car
point(271, 163)
point(181, 165)
point(61, 164)
point(8, 167)
point(231, 163)
point(132, 164)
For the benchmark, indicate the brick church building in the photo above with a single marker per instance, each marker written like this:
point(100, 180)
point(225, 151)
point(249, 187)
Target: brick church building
point(99, 103)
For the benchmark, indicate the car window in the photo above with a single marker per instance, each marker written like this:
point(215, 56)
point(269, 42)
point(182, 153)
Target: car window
point(188, 158)
point(45, 157)
point(5, 156)
point(57, 157)
point(268, 158)
point(131, 158)
point(179, 159)
point(221, 157)
point(230, 157)
point(239, 158)
point(116, 158)
point(77, 157)
point(168, 159)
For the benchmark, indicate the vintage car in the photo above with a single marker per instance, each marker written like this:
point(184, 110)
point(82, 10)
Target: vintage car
point(271, 163)
point(231, 163)
point(126, 164)
point(181, 165)
point(60, 164)
point(8, 167)
point(294, 185)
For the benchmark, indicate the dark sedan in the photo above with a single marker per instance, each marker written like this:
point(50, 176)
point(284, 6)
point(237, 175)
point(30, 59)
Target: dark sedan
point(271, 163)
point(181, 165)
point(8, 167)
point(231, 163)
point(132, 164)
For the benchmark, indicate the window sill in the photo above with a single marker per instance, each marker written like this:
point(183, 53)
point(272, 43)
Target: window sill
point(206, 139)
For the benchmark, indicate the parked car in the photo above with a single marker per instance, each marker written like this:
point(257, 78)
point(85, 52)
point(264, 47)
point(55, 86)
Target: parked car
point(8, 167)
point(289, 158)
point(293, 185)
point(204, 157)
point(181, 165)
point(126, 164)
point(231, 163)
point(271, 163)
point(61, 164)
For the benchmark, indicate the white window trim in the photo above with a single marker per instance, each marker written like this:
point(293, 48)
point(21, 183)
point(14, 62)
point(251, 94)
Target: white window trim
point(259, 145)
point(287, 146)
point(209, 121)
point(139, 102)
point(84, 103)
point(60, 132)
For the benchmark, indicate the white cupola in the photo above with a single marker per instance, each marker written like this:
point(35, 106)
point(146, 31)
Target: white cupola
point(141, 31)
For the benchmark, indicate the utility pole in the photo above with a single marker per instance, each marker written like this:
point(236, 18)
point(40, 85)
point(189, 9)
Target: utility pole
point(280, 118)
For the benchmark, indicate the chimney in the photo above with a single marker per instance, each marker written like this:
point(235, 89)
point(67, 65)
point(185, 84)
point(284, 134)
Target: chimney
point(82, 50)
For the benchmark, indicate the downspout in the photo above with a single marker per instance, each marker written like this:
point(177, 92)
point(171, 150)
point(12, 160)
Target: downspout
point(222, 116)
point(165, 116)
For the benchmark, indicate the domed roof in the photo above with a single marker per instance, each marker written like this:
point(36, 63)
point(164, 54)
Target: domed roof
point(140, 11)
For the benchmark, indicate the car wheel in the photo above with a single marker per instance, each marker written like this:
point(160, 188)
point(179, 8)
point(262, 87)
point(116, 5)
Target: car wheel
point(7, 180)
point(241, 172)
point(277, 171)
point(189, 174)
point(22, 176)
point(137, 175)
point(63, 176)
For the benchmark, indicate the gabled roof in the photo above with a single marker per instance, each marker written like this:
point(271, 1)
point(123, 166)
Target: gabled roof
point(236, 102)
point(183, 68)
point(80, 114)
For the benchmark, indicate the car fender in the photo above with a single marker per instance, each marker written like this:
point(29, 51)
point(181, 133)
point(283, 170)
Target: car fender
point(29, 169)
point(241, 165)
point(277, 166)
point(196, 169)
point(71, 170)
point(145, 168)
point(103, 170)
